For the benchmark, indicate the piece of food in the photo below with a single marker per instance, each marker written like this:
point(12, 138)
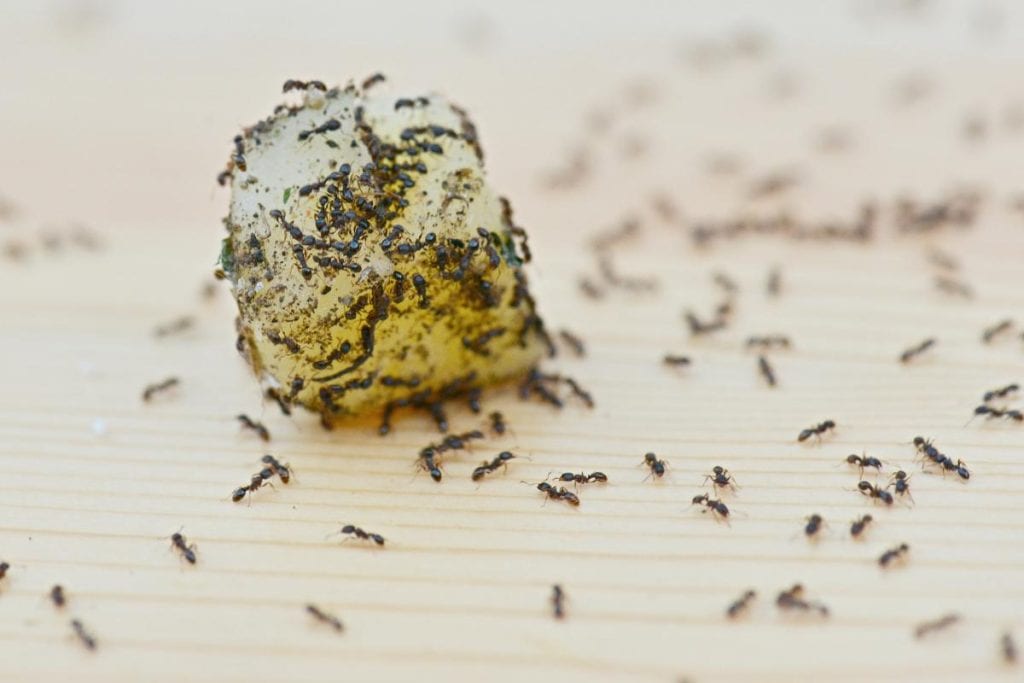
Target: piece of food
point(371, 262)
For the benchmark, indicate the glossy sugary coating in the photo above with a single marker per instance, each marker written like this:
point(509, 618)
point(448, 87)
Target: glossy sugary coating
point(370, 260)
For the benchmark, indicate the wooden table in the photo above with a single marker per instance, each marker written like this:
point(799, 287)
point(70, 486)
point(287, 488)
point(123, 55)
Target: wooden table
point(125, 133)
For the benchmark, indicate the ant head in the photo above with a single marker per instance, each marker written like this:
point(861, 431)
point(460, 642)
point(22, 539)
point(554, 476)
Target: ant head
point(348, 528)
point(650, 457)
point(697, 500)
point(864, 485)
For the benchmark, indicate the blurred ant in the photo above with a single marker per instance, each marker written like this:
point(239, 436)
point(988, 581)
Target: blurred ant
point(793, 599)
point(872, 491)
point(858, 526)
point(558, 601)
point(255, 483)
point(863, 461)
point(1001, 392)
point(329, 619)
point(931, 626)
point(816, 430)
point(992, 413)
point(893, 554)
point(498, 425)
point(740, 605)
point(915, 351)
point(252, 424)
point(813, 526)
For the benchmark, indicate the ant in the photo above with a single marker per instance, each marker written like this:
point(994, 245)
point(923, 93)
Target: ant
point(501, 460)
point(893, 554)
point(817, 430)
point(583, 477)
point(901, 482)
point(720, 478)
point(740, 605)
point(992, 413)
point(863, 461)
point(427, 462)
point(281, 470)
point(1001, 392)
point(717, 507)
point(774, 282)
point(373, 80)
point(254, 484)
point(872, 491)
point(153, 389)
point(57, 596)
point(769, 341)
point(813, 525)
point(1009, 648)
point(930, 626)
point(558, 601)
point(657, 467)
point(992, 332)
point(87, 638)
point(574, 342)
point(915, 351)
point(793, 599)
point(498, 423)
point(4, 566)
point(355, 532)
point(932, 453)
point(858, 526)
point(558, 493)
point(293, 84)
point(187, 551)
point(676, 360)
point(329, 619)
point(766, 370)
point(254, 425)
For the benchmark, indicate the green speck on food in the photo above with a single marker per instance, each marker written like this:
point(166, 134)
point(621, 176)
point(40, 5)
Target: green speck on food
point(227, 257)
point(508, 250)
point(287, 193)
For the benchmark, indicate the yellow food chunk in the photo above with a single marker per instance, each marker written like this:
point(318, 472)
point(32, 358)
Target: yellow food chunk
point(371, 262)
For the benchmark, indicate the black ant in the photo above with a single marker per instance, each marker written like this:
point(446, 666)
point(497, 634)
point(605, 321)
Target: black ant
point(428, 463)
point(992, 332)
point(901, 483)
point(793, 599)
point(252, 424)
point(373, 80)
point(501, 460)
point(915, 351)
point(858, 526)
point(355, 532)
point(769, 341)
point(329, 619)
point(558, 601)
point(817, 430)
point(872, 491)
point(255, 483)
point(941, 623)
point(1009, 648)
point(1001, 392)
point(657, 466)
point(153, 389)
point(57, 596)
point(558, 493)
point(766, 370)
point(863, 461)
point(498, 425)
point(87, 638)
point(4, 566)
point(583, 477)
point(813, 525)
point(675, 360)
point(740, 605)
point(932, 453)
point(992, 413)
point(281, 470)
point(293, 84)
point(720, 478)
point(893, 554)
point(573, 342)
point(187, 551)
point(717, 507)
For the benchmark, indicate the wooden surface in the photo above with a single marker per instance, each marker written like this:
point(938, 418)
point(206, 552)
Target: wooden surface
point(125, 134)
